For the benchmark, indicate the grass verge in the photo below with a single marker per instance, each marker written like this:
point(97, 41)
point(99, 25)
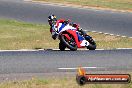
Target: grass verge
point(21, 35)
point(66, 82)
point(112, 4)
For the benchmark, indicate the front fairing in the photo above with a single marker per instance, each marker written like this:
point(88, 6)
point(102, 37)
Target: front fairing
point(63, 27)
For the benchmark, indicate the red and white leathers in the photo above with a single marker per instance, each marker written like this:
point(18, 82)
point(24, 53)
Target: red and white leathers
point(56, 25)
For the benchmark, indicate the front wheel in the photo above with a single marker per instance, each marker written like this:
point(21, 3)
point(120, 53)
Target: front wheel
point(71, 44)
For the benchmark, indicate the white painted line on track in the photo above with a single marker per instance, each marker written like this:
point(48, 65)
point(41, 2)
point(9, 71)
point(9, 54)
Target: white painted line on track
point(99, 49)
point(77, 68)
point(117, 35)
point(123, 48)
point(17, 50)
point(106, 33)
point(81, 7)
point(58, 49)
point(100, 32)
point(115, 49)
point(27, 0)
point(79, 49)
point(109, 34)
point(123, 36)
point(112, 34)
point(94, 31)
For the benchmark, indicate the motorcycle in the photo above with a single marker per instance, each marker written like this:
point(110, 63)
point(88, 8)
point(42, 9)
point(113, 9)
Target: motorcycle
point(70, 38)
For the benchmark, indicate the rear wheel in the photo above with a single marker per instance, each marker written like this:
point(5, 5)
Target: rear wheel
point(71, 44)
point(62, 46)
point(92, 44)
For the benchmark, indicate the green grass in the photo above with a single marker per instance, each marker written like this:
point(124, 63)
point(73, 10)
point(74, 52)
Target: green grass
point(113, 4)
point(111, 42)
point(22, 35)
point(66, 82)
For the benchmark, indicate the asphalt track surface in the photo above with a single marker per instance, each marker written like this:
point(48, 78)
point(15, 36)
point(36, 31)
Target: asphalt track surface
point(48, 61)
point(93, 20)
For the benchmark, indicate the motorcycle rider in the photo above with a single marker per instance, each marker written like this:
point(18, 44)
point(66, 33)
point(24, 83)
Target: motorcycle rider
point(54, 25)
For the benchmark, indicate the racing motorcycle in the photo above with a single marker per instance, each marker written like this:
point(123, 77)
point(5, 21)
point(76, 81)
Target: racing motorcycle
point(71, 38)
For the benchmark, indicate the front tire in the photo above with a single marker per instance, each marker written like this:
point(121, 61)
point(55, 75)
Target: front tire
point(71, 44)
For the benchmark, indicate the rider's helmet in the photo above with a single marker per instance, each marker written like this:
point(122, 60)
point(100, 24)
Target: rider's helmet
point(52, 19)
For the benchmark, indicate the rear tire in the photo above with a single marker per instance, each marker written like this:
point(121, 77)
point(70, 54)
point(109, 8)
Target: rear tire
point(91, 47)
point(92, 44)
